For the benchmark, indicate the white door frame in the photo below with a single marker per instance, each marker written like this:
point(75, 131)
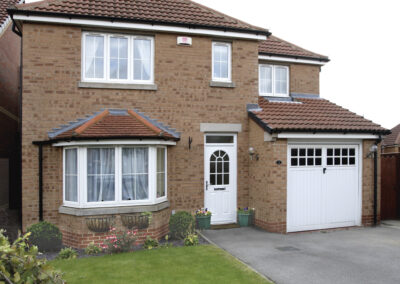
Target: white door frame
point(234, 170)
point(326, 142)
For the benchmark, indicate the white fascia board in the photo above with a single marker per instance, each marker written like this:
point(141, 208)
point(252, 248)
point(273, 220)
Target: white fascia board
point(299, 135)
point(135, 26)
point(291, 60)
point(114, 142)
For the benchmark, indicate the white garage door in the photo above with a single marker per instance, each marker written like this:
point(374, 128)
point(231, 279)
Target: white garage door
point(323, 187)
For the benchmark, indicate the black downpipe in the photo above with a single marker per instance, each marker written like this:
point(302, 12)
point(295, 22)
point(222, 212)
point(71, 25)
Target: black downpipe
point(40, 182)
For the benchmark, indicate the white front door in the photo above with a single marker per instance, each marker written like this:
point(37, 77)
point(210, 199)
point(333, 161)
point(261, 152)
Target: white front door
point(220, 179)
point(323, 187)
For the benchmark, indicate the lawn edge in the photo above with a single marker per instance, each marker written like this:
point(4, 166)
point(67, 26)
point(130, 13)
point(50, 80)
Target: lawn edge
point(238, 259)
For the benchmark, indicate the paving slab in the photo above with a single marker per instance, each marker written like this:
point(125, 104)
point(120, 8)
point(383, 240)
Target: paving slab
point(356, 255)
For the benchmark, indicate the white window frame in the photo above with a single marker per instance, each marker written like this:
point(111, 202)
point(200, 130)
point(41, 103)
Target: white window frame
point(68, 202)
point(229, 45)
point(273, 68)
point(106, 78)
point(82, 177)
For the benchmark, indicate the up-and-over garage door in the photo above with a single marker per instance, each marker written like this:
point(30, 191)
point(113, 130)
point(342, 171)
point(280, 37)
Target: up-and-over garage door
point(323, 187)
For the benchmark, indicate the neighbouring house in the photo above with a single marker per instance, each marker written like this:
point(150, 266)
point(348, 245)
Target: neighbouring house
point(391, 143)
point(10, 193)
point(161, 106)
point(390, 175)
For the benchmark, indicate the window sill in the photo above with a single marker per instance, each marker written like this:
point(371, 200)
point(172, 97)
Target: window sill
point(222, 84)
point(112, 210)
point(98, 85)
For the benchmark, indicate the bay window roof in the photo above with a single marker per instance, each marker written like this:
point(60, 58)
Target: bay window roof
point(114, 124)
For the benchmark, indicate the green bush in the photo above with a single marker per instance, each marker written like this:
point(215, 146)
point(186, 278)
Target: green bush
point(150, 243)
point(19, 263)
point(46, 236)
point(92, 249)
point(67, 253)
point(191, 240)
point(181, 224)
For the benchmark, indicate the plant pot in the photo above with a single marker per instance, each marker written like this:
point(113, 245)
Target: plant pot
point(99, 224)
point(203, 222)
point(244, 219)
point(135, 221)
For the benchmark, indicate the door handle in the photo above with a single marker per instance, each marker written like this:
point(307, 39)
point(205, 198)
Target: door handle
point(207, 185)
point(324, 170)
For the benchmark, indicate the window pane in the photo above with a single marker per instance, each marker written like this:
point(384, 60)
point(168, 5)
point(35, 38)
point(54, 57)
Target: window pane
point(100, 174)
point(160, 172)
point(221, 61)
point(135, 173)
point(94, 56)
point(118, 58)
point(265, 79)
point(142, 59)
point(219, 139)
point(71, 175)
point(281, 80)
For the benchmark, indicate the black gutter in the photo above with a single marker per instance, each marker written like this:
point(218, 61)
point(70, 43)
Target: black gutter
point(320, 59)
point(14, 27)
point(134, 20)
point(40, 182)
point(259, 121)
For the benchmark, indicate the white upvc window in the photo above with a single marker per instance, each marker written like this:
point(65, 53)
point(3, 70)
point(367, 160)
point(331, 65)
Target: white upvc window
point(117, 58)
point(101, 176)
point(221, 62)
point(273, 80)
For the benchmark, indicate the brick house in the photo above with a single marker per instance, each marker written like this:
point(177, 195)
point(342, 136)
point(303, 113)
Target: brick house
point(10, 49)
point(391, 143)
point(161, 106)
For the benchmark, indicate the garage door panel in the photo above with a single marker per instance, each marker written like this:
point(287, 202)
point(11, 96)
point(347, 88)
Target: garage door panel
point(322, 187)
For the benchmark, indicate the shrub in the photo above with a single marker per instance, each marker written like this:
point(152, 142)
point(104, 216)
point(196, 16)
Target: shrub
point(92, 249)
point(181, 224)
point(19, 263)
point(67, 253)
point(191, 240)
point(150, 243)
point(119, 242)
point(46, 236)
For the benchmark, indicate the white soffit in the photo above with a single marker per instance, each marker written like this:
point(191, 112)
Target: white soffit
point(291, 60)
point(135, 26)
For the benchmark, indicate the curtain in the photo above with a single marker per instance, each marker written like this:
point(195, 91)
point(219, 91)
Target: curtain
point(135, 172)
point(160, 172)
point(71, 175)
point(221, 58)
point(94, 56)
point(142, 59)
point(100, 174)
point(118, 58)
point(266, 80)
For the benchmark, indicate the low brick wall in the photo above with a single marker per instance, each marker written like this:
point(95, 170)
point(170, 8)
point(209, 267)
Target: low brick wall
point(76, 233)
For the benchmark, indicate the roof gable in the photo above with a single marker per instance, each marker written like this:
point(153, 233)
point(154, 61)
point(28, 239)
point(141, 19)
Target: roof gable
point(114, 123)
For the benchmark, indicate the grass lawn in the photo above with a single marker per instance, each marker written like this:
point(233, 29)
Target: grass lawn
point(200, 264)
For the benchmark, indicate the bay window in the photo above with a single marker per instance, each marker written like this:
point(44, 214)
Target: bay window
point(117, 58)
point(273, 80)
point(114, 176)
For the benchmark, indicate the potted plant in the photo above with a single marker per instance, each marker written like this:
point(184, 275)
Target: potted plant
point(244, 216)
point(203, 219)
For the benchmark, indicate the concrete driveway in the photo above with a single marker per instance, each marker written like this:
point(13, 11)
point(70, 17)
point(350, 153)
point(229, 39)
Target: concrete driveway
point(357, 255)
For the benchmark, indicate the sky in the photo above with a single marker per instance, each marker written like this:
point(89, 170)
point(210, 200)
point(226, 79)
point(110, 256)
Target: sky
point(361, 38)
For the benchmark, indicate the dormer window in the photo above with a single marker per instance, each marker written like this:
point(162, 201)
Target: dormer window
point(221, 62)
point(273, 80)
point(114, 58)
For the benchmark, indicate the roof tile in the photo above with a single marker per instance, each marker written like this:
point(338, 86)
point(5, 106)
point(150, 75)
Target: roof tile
point(317, 115)
point(114, 124)
point(4, 5)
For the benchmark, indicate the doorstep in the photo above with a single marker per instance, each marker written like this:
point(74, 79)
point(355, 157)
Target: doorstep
point(225, 226)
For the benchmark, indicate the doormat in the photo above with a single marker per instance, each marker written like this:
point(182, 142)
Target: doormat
point(224, 226)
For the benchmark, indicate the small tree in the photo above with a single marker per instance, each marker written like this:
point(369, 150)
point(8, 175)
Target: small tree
point(19, 263)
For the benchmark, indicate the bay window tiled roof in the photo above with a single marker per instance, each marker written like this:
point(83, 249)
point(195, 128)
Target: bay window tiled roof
point(115, 124)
